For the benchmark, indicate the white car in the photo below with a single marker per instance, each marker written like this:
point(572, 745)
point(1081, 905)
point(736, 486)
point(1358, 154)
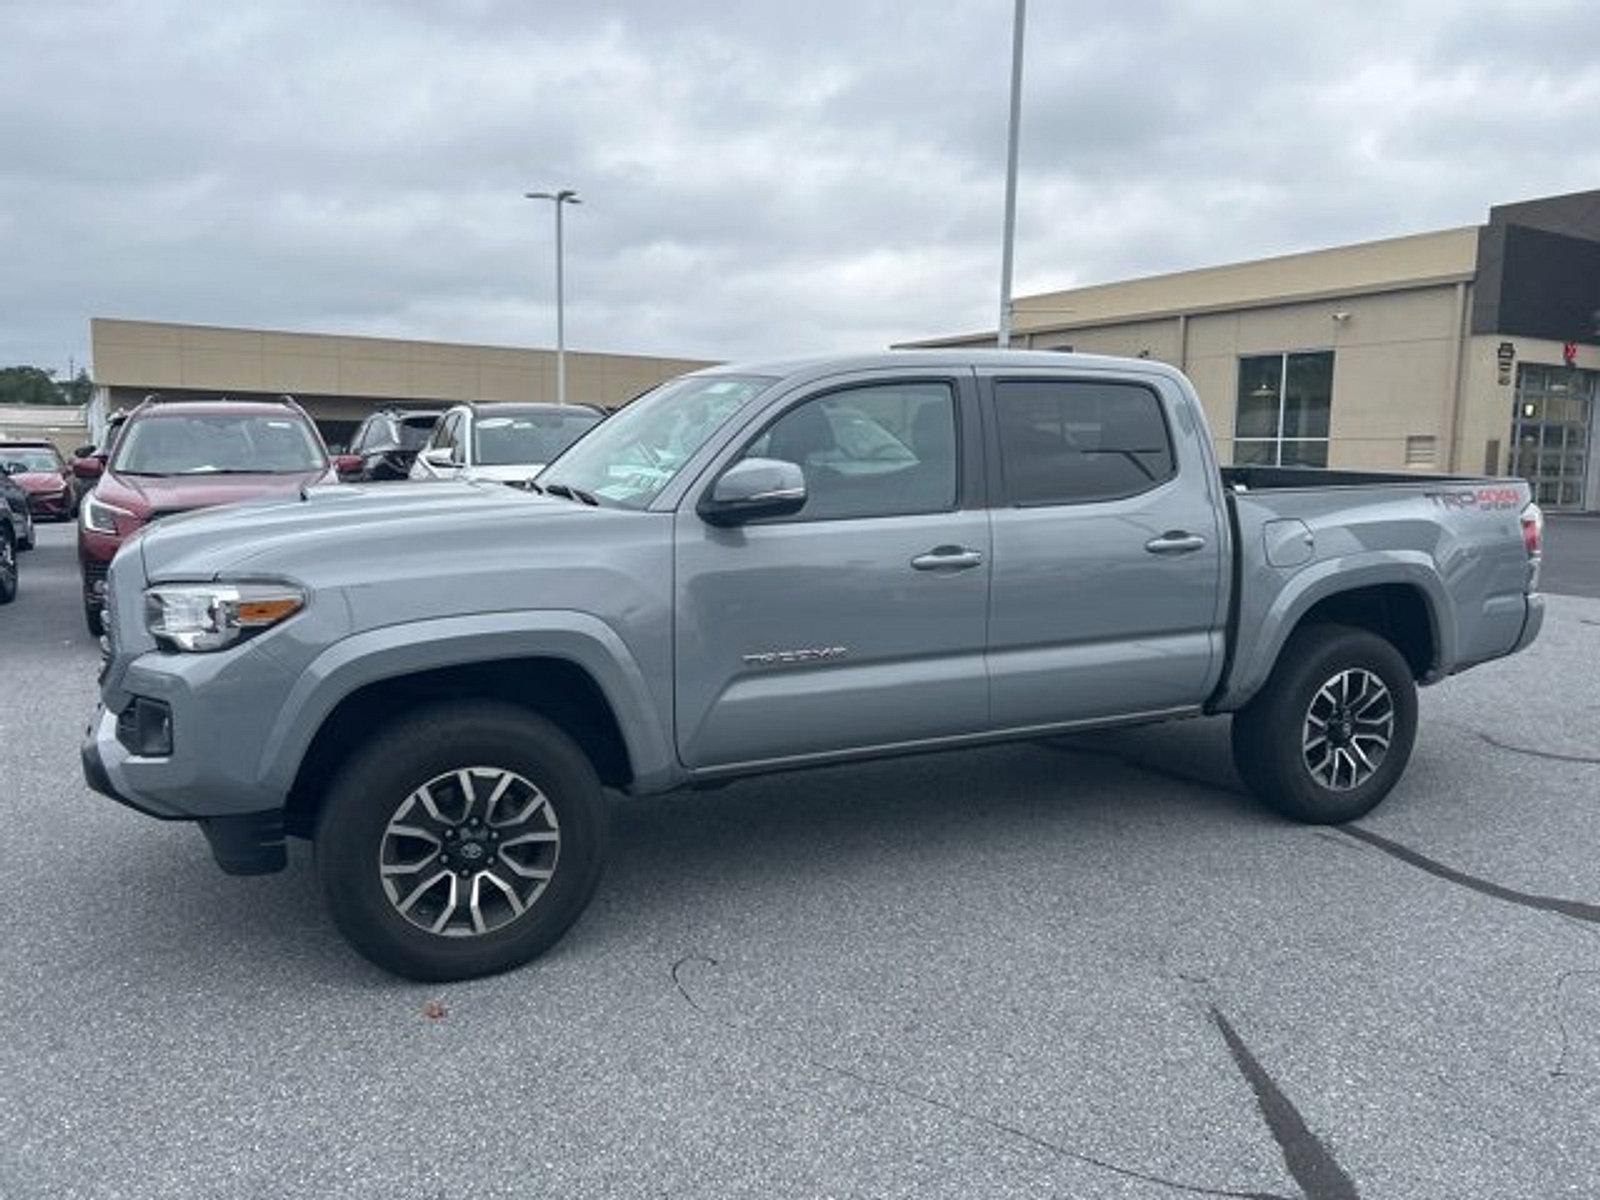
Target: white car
point(507, 443)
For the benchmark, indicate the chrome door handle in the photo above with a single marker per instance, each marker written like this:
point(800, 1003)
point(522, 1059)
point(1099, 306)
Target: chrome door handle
point(947, 558)
point(1175, 541)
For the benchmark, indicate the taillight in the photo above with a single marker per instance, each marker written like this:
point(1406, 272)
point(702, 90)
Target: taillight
point(1533, 530)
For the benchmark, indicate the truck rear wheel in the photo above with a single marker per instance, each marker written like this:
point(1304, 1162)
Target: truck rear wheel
point(463, 839)
point(1332, 730)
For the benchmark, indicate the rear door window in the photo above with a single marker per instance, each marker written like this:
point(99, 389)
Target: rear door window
point(1079, 441)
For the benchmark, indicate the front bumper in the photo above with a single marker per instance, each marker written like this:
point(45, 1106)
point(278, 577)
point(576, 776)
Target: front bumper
point(251, 843)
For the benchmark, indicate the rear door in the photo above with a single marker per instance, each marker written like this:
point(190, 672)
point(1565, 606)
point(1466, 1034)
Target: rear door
point(860, 621)
point(1107, 591)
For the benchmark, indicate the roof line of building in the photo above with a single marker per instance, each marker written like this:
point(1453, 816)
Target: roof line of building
point(324, 335)
point(1019, 328)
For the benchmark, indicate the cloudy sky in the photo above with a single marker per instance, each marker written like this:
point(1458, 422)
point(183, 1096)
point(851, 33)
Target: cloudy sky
point(758, 178)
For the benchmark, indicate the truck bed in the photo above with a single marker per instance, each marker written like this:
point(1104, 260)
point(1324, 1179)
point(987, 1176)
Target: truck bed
point(1299, 531)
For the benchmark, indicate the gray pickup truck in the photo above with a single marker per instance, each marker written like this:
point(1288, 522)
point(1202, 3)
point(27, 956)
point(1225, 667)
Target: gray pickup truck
point(757, 568)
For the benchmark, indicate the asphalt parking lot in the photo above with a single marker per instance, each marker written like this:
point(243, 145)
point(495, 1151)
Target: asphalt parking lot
point(1087, 968)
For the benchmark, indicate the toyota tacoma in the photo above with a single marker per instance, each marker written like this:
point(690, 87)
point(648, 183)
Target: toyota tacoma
point(753, 569)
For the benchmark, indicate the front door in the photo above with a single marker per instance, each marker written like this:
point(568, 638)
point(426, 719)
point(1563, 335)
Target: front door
point(1107, 552)
point(859, 622)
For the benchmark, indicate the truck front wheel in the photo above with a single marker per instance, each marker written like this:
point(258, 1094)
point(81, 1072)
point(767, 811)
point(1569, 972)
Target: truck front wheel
point(461, 840)
point(1332, 730)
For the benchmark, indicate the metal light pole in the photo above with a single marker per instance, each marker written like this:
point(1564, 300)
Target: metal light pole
point(563, 197)
point(1017, 25)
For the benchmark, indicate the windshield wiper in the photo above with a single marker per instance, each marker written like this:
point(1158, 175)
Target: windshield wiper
point(571, 493)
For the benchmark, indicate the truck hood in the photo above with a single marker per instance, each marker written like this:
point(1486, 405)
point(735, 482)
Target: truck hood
point(324, 525)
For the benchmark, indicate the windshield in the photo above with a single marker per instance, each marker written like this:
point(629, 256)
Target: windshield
point(29, 458)
point(529, 437)
point(218, 443)
point(633, 455)
point(414, 431)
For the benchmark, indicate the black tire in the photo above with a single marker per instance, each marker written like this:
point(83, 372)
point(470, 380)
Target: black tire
point(8, 562)
point(393, 764)
point(27, 541)
point(92, 620)
point(1271, 748)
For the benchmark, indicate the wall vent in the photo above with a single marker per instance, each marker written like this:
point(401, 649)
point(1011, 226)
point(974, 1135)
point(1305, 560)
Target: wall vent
point(1422, 450)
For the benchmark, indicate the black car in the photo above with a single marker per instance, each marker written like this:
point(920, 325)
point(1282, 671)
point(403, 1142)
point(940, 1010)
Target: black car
point(385, 444)
point(16, 534)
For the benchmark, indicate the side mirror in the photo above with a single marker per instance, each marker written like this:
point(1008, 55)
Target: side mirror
point(441, 456)
point(754, 488)
point(347, 464)
point(90, 466)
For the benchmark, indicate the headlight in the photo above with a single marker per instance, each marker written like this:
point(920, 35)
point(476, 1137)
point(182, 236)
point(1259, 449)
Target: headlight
point(212, 616)
point(100, 516)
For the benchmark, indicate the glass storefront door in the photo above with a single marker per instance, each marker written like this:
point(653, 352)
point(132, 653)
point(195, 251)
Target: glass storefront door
point(1550, 432)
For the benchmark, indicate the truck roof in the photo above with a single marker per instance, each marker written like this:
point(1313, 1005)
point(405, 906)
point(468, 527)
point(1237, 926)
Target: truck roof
point(954, 356)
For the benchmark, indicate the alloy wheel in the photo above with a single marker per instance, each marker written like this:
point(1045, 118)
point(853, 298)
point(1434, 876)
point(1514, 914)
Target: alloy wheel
point(469, 852)
point(1348, 729)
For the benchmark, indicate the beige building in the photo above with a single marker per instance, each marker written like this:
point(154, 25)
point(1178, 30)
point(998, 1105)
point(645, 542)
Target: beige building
point(341, 379)
point(65, 425)
point(1474, 349)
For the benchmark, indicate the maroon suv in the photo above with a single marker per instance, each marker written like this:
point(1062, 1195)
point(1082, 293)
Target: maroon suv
point(174, 456)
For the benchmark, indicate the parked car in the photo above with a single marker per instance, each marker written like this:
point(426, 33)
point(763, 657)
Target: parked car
point(507, 443)
point(38, 468)
point(176, 456)
point(16, 534)
point(434, 682)
point(386, 444)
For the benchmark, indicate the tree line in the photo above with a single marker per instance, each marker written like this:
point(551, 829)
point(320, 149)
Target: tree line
point(39, 385)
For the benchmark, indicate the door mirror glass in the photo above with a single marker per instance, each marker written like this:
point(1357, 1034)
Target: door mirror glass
point(442, 457)
point(752, 488)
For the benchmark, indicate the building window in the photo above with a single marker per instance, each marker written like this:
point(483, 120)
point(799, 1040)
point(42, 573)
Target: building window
point(1550, 431)
point(1284, 401)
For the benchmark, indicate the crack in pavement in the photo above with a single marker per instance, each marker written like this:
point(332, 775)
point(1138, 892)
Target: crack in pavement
point(991, 1123)
point(1310, 1163)
point(1576, 909)
point(1559, 1071)
point(1551, 755)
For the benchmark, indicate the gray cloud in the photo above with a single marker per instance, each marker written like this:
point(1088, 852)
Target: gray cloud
point(762, 178)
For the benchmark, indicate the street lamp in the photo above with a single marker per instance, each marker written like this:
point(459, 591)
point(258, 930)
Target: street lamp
point(1004, 329)
point(563, 197)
